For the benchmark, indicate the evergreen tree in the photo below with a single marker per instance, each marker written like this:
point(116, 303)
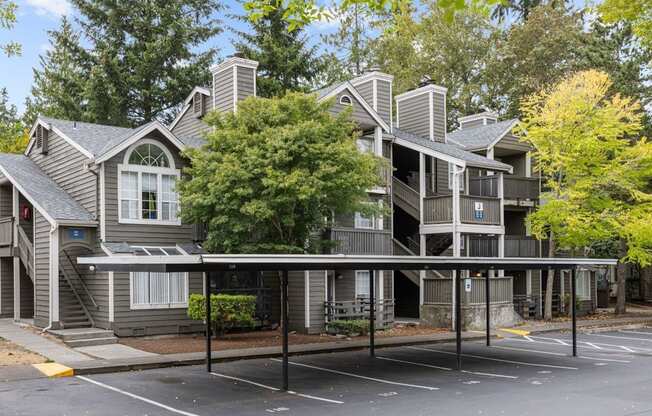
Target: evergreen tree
point(286, 61)
point(521, 8)
point(13, 135)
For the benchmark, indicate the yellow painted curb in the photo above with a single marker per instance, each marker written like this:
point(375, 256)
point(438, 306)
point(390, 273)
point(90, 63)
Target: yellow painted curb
point(54, 370)
point(515, 331)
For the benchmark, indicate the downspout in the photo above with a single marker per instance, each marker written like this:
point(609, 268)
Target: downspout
point(458, 171)
point(54, 253)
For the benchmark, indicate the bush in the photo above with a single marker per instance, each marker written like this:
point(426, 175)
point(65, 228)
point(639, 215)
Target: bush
point(227, 311)
point(349, 327)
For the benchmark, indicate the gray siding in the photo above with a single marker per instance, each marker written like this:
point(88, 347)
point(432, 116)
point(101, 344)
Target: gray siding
point(384, 100)
point(359, 114)
point(64, 164)
point(245, 82)
point(192, 126)
point(139, 233)
point(413, 115)
point(26, 295)
point(223, 90)
point(439, 110)
point(42, 270)
point(296, 301)
point(472, 123)
point(366, 90)
point(317, 297)
point(6, 287)
point(6, 201)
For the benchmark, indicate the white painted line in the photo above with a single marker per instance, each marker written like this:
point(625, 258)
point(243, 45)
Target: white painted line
point(137, 397)
point(447, 369)
point(554, 344)
point(265, 386)
point(619, 337)
point(624, 331)
point(559, 354)
point(602, 344)
point(590, 344)
point(343, 373)
point(497, 359)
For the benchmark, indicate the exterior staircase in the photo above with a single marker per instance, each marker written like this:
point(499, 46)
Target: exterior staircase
point(72, 312)
point(85, 337)
point(414, 275)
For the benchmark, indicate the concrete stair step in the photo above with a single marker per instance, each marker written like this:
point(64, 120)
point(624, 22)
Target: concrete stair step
point(91, 342)
point(81, 333)
point(75, 325)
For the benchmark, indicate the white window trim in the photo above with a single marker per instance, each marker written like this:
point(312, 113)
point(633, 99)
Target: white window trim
point(350, 103)
point(357, 272)
point(583, 275)
point(159, 171)
point(140, 306)
point(358, 216)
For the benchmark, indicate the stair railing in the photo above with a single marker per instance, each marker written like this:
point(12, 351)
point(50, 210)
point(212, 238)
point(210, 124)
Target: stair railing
point(81, 280)
point(62, 272)
point(26, 252)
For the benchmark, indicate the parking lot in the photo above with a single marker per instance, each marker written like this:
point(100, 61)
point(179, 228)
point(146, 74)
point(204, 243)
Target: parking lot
point(517, 375)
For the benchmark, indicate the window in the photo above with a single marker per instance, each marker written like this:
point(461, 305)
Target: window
point(346, 100)
point(450, 178)
point(147, 186)
point(153, 290)
point(365, 145)
point(362, 284)
point(583, 284)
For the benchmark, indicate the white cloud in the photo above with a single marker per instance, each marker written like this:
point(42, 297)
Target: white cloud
point(52, 8)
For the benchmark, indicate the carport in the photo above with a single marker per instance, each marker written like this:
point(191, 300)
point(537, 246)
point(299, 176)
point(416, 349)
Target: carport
point(286, 263)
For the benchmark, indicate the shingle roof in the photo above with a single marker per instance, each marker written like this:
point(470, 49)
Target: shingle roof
point(98, 139)
point(322, 92)
point(41, 190)
point(480, 137)
point(471, 159)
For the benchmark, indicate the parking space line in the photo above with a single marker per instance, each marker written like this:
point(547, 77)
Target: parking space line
point(137, 397)
point(621, 337)
point(602, 344)
point(477, 373)
point(344, 373)
point(480, 357)
point(559, 354)
point(635, 332)
point(555, 344)
point(265, 386)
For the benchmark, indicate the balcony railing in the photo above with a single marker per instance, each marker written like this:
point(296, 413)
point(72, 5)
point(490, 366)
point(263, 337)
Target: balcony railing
point(439, 291)
point(361, 241)
point(439, 209)
point(6, 231)
point(359, 309)
point(515, 246)
point(515, 187)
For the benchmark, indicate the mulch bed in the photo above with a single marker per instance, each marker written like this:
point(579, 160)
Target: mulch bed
point(253, 339)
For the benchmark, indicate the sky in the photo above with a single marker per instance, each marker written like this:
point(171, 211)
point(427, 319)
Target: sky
point(36, 17)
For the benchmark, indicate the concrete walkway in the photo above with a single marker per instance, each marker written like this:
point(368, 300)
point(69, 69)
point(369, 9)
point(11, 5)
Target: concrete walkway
point(27, 339)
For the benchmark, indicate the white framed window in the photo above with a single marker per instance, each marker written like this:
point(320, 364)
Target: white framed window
point(583, 284)
point(362, 284)
point(147, 185)
point(450, 177)
point(153, 290)
point(365, 145)
point(346, 100)
point(363, 222)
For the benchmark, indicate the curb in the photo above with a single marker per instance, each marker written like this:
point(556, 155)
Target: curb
point(598, 327)
point(54, 370)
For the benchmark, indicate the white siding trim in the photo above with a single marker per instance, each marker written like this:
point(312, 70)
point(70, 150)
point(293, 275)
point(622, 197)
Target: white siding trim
point(58, 133)
point(235, 88)
point(47, 216)
point(54, 274)
point(156, 125)
point(422, 90)
point(362, 101)
point(374, 94)
point(14, 210)
point(103, 202)
point(431, 116)
point(112, 297)
point(306, 297)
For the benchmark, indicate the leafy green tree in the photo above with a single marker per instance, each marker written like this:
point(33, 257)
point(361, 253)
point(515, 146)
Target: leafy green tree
point(532, 55)
point(522, 8)
point(285, 60)
point(453, 54)
point(636, 12)
point(7, 21)
point(13, 135)
point(597, 175)
point(272, 173)
point(59, 83)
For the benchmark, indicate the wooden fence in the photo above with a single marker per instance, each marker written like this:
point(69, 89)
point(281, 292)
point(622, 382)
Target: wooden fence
point(359, 309)
point(439, 291)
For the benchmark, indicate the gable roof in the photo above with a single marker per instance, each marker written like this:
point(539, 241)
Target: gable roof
point(96, 141)
point(187, 104)
point(39, 189)
point(448, 152)
point(332, 90)
point(481, 137)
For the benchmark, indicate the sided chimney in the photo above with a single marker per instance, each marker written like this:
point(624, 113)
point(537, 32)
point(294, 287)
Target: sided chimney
point(476, 120)
point(422, 111)
point(376, 88)
point(234, 79)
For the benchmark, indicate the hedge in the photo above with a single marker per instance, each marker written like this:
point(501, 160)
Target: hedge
point(227, 311)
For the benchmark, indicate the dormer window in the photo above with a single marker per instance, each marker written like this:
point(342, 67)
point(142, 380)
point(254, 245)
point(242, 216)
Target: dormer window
point(147, 185)
point(346, 100)
point(198, 104)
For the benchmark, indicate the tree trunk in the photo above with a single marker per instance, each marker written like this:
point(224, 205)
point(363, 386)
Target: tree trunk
point(621, 271)
point(547, 310)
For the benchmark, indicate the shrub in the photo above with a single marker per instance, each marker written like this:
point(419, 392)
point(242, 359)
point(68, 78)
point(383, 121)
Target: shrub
point(349, 327)
point(227, 311)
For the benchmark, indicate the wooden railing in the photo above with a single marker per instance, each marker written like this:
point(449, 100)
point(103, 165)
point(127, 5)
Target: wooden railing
point(514, 187)
point(439, 291)
point(66, 276)
point(361, 241)
point(515, 246)
point(490, 212)
point(26, 252)
point(438, 209)
point(406, 197)
point(76, 281)
point(359, 309)
point(6, 231)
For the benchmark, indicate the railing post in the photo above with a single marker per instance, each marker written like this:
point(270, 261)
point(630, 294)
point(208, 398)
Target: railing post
point(372, 314)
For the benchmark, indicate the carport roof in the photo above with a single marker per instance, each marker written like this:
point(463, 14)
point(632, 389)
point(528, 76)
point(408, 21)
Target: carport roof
point(223, 262)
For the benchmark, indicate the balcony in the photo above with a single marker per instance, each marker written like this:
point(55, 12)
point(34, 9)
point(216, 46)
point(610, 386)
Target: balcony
point(515, 246)
point(6, 231)
point(438, 291)
point(361, 241)
point(515, 187)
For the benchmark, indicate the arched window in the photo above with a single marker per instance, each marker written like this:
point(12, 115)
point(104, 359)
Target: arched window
point(346, 100)
point(147, 185)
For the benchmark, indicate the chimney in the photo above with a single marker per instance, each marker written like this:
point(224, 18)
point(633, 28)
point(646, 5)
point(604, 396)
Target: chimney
point(234, 79)
point(376, 89)
point(422, 111)
point(480, 119)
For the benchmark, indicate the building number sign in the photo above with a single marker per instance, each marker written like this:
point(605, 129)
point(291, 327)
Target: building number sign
point(478, 210)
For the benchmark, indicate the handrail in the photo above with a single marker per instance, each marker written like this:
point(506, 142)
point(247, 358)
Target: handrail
point(6, 219)
point(405, 192)
point(26, 252)
point(74, 266)
point(62, 269)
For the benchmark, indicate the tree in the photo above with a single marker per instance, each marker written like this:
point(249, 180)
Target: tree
point(285, 61)
point(636, 12)
point(272, 172)
point(596, 172)
point(521, 8)
point(7, 21)
point(138, 59)
point(59, 83)
point(453, 54)
point(533, 55)
point(13, 135)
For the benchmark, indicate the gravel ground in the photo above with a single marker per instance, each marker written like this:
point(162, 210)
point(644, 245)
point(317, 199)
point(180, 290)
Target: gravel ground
point(12, 354)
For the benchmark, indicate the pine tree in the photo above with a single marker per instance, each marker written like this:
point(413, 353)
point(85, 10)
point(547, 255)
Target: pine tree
point(13, 135)
point(286, 61)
